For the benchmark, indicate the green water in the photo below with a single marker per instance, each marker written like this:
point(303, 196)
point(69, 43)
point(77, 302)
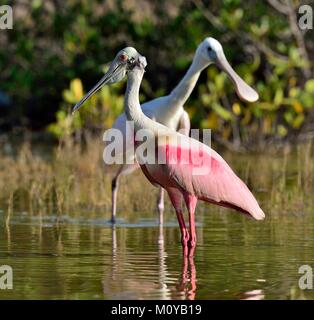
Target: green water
point(83, 259)
point(79, 255)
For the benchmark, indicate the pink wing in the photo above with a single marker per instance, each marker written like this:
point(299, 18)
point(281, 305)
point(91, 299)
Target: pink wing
point(197, 169)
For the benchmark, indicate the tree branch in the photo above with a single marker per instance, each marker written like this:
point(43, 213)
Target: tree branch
point(288, 9)
point(209, 16)
point(279, 6)
point(297, 33)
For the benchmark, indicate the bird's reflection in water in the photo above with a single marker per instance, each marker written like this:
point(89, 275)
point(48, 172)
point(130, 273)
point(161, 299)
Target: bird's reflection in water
point(138, 276)
point(164, 291)
point(114, 250)
point(252, 295)
point(188, 278)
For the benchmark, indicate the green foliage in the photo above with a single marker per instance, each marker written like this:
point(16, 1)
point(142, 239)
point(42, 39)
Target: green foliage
point(282, 106)
point(100, 110)
point(54, 44)
point(266, 54)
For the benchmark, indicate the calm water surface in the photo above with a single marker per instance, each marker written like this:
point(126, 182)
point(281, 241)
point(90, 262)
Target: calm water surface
point(79, 255)
point(82, 258)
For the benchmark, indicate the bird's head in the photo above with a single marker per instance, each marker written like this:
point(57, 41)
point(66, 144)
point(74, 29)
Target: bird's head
point(122, 63)
point(210, 51)
point(138, 66)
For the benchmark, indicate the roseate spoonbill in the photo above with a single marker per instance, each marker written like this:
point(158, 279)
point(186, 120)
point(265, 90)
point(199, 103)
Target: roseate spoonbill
point(169, 110)
point(215, 181)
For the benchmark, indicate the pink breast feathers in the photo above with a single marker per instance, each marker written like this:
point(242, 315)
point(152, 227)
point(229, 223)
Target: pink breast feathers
point(190, 157)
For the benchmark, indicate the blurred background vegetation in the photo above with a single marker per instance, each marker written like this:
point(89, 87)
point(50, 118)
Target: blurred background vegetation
point(55, 194)
point(59, 49)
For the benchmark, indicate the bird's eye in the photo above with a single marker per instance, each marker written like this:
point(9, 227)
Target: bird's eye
point(123, 57)
point(209, 49)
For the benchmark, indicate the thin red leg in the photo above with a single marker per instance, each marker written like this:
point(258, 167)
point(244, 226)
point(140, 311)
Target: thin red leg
point(191, 202)
point(184, 233)
point(176, 199)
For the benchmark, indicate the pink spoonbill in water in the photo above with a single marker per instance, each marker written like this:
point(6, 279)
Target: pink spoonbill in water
point(190, 170)
point(169, 109)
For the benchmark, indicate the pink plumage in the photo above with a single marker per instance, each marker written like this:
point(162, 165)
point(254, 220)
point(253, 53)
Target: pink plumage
point(195, 169)
point(183, 166)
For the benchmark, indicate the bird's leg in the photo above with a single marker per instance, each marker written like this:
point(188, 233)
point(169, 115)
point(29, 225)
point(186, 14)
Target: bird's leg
point(114, 192)
point(176, 200)
point(160, 206)
point(123, 170)
point(184, 232)
point(191, 202)
point(193, 238)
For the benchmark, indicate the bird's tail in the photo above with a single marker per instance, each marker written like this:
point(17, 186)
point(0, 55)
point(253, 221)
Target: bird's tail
point(249, 203)
point(235, 194)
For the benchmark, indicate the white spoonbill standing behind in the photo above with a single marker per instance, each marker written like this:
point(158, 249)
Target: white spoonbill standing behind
point(168, 110)
point(215, 182)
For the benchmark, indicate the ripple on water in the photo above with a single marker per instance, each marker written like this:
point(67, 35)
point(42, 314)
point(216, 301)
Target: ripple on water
point(58, 257)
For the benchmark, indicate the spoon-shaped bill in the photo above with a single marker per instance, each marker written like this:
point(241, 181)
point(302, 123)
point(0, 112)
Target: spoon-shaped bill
point(115, 74)
point(244, 91)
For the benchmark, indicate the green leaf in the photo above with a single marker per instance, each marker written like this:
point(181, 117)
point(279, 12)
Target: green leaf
point(278, 97)
point(307, 100)
point(298, 120)
point(309, 86)
point(282, 130)
point(219, 81)
point(222, 112)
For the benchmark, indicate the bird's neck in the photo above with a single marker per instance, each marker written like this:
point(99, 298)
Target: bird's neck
point(132, 105)
point(183, 90)
point(131, 100)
